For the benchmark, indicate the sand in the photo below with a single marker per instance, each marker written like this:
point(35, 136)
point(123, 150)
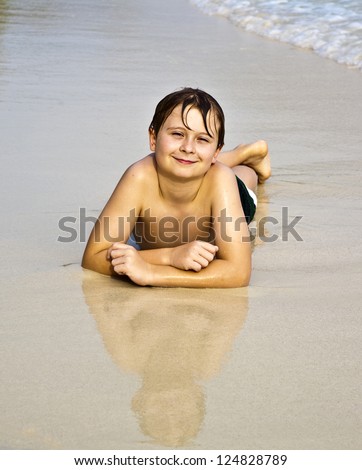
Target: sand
point(87, 360)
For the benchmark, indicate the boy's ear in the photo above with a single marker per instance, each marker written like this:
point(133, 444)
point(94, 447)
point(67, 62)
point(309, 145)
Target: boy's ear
point(152, 139)
point(218, 150)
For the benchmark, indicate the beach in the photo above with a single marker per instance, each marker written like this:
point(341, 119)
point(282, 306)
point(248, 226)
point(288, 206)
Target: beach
point(90, 362)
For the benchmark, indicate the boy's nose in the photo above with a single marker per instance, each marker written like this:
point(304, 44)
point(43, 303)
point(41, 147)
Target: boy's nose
point(187, 146)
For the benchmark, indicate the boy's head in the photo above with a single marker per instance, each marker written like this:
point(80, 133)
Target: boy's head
point(190, 98)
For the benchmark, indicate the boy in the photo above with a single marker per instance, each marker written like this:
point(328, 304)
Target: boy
point(187, 204)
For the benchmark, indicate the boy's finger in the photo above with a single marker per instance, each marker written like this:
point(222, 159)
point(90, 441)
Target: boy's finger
point(196, 266)
point(208, 246)
point(118, 261)
point(112, 248)
point(117, 253)
point(212, 248)
point(208, 255)
point(117, 245)
point(203, 261)
point(122, 250)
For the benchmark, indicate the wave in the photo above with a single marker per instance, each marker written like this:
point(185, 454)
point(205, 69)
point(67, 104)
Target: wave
point(331, 29)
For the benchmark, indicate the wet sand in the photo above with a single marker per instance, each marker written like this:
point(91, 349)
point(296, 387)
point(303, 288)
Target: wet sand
point(87, 360)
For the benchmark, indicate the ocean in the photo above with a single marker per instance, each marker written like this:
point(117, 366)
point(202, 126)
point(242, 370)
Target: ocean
point(332, 29)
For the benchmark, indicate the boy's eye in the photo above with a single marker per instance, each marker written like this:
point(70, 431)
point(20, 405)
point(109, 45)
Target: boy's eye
point(204, 139)
point(178, 134)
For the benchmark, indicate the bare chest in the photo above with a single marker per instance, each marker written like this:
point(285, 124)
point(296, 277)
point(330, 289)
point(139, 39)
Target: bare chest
point(164, 225)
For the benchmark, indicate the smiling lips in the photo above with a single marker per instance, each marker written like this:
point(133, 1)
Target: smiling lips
point(184, 162)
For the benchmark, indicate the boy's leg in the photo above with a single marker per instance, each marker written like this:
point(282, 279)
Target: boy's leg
point(247, 175)
point(248, 157)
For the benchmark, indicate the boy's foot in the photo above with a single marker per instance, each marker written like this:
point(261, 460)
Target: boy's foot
point(263, 169)
point(256, 156)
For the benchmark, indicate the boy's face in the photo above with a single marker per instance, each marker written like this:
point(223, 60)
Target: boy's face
point(186, 152)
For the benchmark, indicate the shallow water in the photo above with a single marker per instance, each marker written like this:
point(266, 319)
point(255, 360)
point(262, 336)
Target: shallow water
point(86, 360)
point(332, 29)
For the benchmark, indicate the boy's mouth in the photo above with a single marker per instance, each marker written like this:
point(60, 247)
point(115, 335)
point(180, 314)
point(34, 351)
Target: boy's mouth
point(184, 162)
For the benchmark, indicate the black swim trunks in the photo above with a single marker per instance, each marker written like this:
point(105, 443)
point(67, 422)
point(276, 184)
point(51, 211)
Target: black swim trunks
point(247, 201)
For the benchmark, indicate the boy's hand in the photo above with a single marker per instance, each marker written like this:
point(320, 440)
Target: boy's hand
point(193, 256)
point(126, 260)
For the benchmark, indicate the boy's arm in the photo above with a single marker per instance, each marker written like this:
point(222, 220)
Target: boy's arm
point(194, 255)
point(232, 267)
point(115, 223)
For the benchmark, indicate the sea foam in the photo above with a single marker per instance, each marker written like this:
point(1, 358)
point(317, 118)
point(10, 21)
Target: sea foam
point(333, 29)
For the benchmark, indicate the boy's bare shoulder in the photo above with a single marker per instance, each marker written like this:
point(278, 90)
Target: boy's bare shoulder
point(135, 181)
point(220, 184)
point(140, 171)
point(220, 174)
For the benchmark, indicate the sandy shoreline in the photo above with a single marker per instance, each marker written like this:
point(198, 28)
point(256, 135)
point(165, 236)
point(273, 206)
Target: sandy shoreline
point(281, 369)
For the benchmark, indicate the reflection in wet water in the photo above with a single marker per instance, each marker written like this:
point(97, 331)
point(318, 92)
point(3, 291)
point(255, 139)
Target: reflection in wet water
point(174, 339)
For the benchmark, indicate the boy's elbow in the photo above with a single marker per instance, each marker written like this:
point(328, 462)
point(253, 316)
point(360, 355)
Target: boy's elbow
point(242, 281)
point(239, 279)
point(96, 265)
point(86, 264)
point(245, 282)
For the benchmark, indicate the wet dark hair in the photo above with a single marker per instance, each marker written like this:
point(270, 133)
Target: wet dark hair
point(195, 98)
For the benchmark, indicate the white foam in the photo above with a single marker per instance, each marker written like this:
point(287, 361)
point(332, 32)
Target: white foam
point(333, 29)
